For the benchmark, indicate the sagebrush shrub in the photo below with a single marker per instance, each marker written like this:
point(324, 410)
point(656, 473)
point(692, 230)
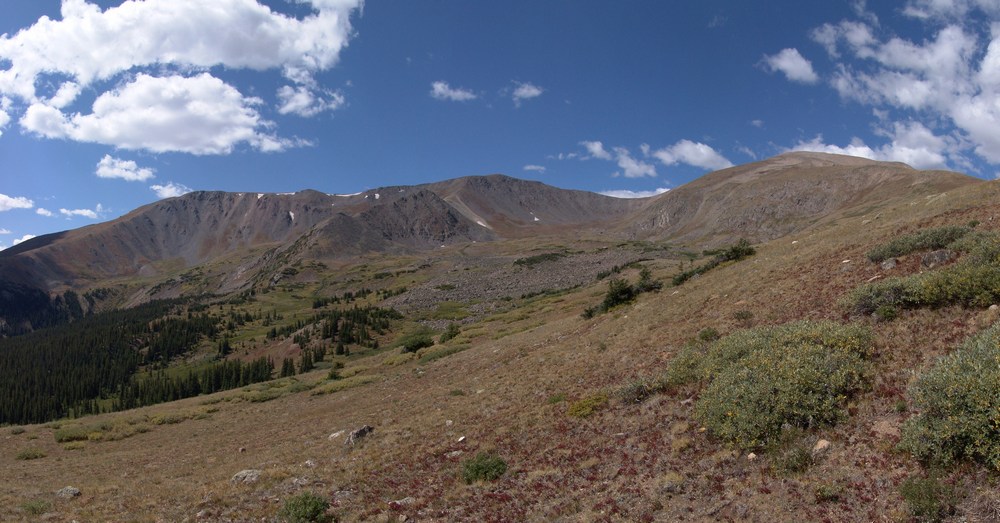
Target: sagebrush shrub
point(305, 508)
point(958, 401)
point(757, 380)
point(485, 466)
point(927, 239)
point(973, 282)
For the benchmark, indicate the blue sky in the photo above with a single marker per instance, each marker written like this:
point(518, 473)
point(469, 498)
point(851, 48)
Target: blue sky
point(108, 105)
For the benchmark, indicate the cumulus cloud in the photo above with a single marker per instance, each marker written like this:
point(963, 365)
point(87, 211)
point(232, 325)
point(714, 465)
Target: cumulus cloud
point(526, 91)
point(198, 115)
point(170, 190)
point(624, 193)
point(442, 91)
point(8, 203)
point(949, 9)
point(306, 102)
point(22, 239)
point(909, 142)
point(632, 167)
point(535, 168)
point(41, 211)
point(692, 153)
point(127, 170)
point(595, 149)
point(173, 38)
point(793, 65)
point(86, 213)
point(5, 104)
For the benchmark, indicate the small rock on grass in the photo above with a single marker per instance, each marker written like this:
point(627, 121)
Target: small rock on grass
point(67, 492)
point(246, 476)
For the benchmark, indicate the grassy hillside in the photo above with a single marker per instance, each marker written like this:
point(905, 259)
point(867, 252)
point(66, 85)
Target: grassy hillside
point(591, 418)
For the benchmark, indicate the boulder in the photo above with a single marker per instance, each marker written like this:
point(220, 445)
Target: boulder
point(246, 476)
point(68, 492)
point(357, 435)
point(937, 258)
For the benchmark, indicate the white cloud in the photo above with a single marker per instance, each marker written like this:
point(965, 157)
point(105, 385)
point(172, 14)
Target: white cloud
point(170, 190)
point(692, 153)
point(949, 9)
point(86, 213)
point(5, 104)
point(624, 193)
point(22, 239)
point(526, 91)
point(793, 65)
point(631, 167)
point(41, 211)
point(442, 91)
point(90, 48)
point(127, 170)
point(8, 203)
point(910, 143)
point(198, 115)
point(950, 82)
point(306, 102)
point(5, 231)
point(757, 123)
point(536, 168)
point(595, 149)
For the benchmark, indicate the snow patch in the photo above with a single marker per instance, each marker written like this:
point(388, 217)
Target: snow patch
point(481, 224)
point(291, 215)
point(536, 219)
point(260, 195)
point(345, 195)
point(377, 196)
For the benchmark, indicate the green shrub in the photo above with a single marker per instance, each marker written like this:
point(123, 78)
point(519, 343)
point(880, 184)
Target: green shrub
point(758, 380)
point(74, 433)
point(586, 407)
point(36, 507)
point(415, 341)
point(305, 508)
point(619, 292)
point(925, 240)
point(958, 401)
point(974, 281)
point(708, 334)
point(30, 454)
point(928, 499)
point(485, 466)
point(636, 392)
point(742, 249)
point(450, 333)
point(436, 353)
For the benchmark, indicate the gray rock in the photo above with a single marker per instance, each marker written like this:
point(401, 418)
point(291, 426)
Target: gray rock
point(68, 492)
point(889, 264)
point(359, 434)
point(936, 258)
point(246, 476)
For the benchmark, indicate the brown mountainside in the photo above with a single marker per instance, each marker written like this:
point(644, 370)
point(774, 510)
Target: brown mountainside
point(762, 200)
point(768, 199)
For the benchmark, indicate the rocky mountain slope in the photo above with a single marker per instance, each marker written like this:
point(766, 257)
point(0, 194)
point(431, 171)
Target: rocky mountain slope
point(248, 239)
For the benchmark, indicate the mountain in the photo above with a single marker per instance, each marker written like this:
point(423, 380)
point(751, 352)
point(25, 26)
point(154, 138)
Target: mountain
point(769, 199)
point(236, 241)
point(201, 227)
